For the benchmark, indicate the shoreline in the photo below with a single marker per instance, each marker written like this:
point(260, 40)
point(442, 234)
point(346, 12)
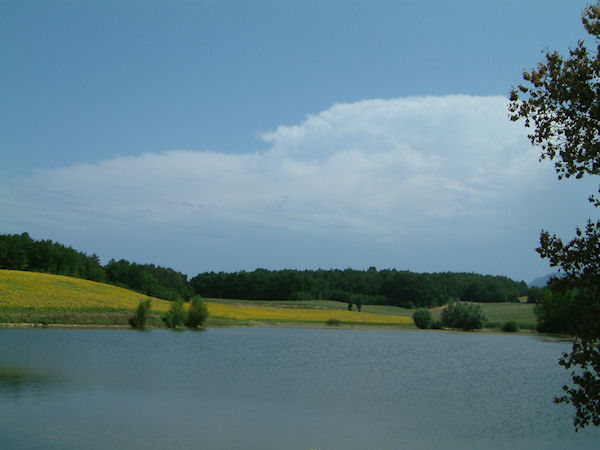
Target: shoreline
point(253, 324)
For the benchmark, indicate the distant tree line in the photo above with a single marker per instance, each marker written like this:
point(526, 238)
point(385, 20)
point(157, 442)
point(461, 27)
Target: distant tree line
point(21, 252)
point(360, 287)
point(383, 287)
point(149, 279)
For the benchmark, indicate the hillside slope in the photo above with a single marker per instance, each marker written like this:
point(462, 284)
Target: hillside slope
point(44, 299)
point(46, 292)
point(40, 298)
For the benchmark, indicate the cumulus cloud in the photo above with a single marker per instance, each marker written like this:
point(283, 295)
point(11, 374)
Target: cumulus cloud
point(375, 166)
point(386, 169)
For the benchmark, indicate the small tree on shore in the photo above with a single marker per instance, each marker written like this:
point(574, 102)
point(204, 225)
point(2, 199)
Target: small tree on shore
point(463, 316)
point(139, 319)
point(198, 312)
point(177, 315)
point(422, 318)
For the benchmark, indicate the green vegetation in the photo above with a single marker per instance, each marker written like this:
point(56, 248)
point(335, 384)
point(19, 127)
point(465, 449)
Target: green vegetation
point(437, 325)
point(422, 318)
point(20, 252)
point(198, 312)
point(318, 304)
point(361, 288)
point(560, 102)
point(176, 315)
point(464, 316)
point(498, 313)
point(44, 299)
point(557, 312)
point(148, 279)
point(355, 287)
point(140, 318)
point(510, 327)
point(333, 322)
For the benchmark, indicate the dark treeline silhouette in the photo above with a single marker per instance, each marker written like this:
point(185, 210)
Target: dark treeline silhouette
point(149, 279)
point(384, 287)
point(21, 252)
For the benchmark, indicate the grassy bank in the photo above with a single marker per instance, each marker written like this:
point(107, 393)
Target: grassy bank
point(44, 299)
point(307, 312)
point(499, 313)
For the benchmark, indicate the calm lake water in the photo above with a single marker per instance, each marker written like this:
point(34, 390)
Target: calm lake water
point(262, 388)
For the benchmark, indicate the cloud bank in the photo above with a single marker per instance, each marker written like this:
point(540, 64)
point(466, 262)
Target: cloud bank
point(420, 169)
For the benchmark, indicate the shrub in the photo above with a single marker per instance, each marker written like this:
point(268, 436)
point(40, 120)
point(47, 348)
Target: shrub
point(359, 300)
point(422, 318)
point(557, 312)
point(465, 316)
point(198, 312)
point(139, 319)
point(333, 322)
point(510, 327)
point(436, 325)
point(176, 315)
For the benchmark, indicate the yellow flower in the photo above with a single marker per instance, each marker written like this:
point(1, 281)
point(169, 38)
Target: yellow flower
point(41, 291)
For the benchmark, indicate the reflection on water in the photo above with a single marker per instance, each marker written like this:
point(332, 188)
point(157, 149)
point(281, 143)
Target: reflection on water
point(16, 383)
point(282, 388)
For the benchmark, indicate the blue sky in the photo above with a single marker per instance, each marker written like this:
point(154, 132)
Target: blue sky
point(232, 135)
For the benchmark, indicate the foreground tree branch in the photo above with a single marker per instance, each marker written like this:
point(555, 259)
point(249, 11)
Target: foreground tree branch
point(560, 103)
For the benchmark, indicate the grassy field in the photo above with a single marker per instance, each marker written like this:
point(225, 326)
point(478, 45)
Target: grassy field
point(305, 313)
point(318, 304)
point(38, 298)
point(496, 313)
point(29, 297)
point(499, 313)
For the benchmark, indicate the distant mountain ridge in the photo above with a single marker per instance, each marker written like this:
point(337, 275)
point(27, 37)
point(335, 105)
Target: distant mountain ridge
point(543, 281)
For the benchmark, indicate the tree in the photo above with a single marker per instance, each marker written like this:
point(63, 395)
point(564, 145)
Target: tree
point(198, 312)
point(510, 326)
point(560, 103)
point(422, 318)
point(464, 316)
point(556, 312)
point(176, 315)
point(139, 319)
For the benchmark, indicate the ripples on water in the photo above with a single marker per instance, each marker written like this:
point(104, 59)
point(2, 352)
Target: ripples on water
point(282, 388)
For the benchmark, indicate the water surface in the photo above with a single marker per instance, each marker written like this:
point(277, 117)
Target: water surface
point(261, 388)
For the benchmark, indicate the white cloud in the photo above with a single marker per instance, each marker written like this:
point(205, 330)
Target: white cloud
point(375, 166)
point(387, 170)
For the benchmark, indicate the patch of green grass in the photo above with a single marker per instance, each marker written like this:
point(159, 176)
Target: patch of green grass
point(317, 304)
point(64, 316)
point(499, 313)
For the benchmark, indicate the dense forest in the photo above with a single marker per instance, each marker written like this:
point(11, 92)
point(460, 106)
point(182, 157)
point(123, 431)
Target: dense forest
point(21, 252)
point(383, 287)
point(373, 286)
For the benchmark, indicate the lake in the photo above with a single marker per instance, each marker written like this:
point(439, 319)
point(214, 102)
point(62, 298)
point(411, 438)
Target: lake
point(276, 388)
